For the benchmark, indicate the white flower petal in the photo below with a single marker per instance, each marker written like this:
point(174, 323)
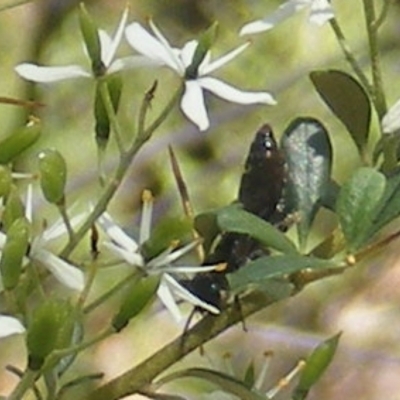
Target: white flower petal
point(283, 12)
point(166, 297)
point(37, 73)
point(184, 294)
point(105, 46)
point(321, 12)
point(29, 203)
point(10, 326)
point(64, 272)
point(116, 234)
point(230, 93)
point(108, 53)
point(147, 214)
point(58, 228)
point(3, 239)
point(168, 257)
point(192, 105)
point(188, 269)
point(187, 52)
point(149, 46)
point(132, 258)
point(205, 69)
point(391, 120)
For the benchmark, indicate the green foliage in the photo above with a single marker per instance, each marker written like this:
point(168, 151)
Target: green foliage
point(357, 205)
point(348, 100)
point(308, 153)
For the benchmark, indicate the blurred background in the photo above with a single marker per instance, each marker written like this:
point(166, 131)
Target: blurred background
point(363, 303)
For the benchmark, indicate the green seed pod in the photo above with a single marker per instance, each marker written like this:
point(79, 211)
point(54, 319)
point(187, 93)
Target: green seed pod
point(53, 175)
point(14, 250)
point(102, 127)
point(5, 181)
point(92, 41)
point(138, 296)
point(45, 332)
point(15, 144)
point(316, 364)
point(14, 209)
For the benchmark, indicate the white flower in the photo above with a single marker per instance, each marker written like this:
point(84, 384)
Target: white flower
point(192, 104)
point(391, 120)
point(321, 11)
point(10, 326)
point(66, 273)
point(108, 45)
point(129, 250)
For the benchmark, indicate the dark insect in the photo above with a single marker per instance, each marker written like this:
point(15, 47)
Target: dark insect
point(260, 192)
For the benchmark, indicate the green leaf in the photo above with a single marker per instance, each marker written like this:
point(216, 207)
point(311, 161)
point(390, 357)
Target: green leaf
point(234, 219)
point(316, 364)
point(225, 382)
point(262, 269)
point(207, 227)
point(389, 207)
point(308, 153)
point(357, 205)
point(347, 100)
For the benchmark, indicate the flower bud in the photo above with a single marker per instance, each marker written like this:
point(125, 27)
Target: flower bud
point(13, 210)
point(14, 250)
point(102, 127)
point(45, 332)
point(136, 299)
point(316, 364)
point(53, 175)
point(5, 181)
point(15, 144)
point(92, 41)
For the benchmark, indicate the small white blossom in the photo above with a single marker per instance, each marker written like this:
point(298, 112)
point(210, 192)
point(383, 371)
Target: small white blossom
point(66, 273)
point(108, 45)
point(321, 11)
point(160, 51)
point(129, 250)
point(10, 326)
point(391, 120)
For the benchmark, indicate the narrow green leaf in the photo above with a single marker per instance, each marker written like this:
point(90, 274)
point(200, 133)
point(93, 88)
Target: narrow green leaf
point(308, 153)
point(225, 382)
point(234, 219)
point(316, 364)
point(357, 205)
point(264, 268)
point(347, 100)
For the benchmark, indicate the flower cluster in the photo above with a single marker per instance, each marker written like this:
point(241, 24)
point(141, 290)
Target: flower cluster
point(130, 251)
point(156, 51)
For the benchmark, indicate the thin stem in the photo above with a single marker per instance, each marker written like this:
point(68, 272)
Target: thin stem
point(64, 215)
point(349, 55)
point(146, 104)
point(383, 14)
point(59, 354)
point(115, 289)
point(378, 93)
point(13, 3)
point(27, 382)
